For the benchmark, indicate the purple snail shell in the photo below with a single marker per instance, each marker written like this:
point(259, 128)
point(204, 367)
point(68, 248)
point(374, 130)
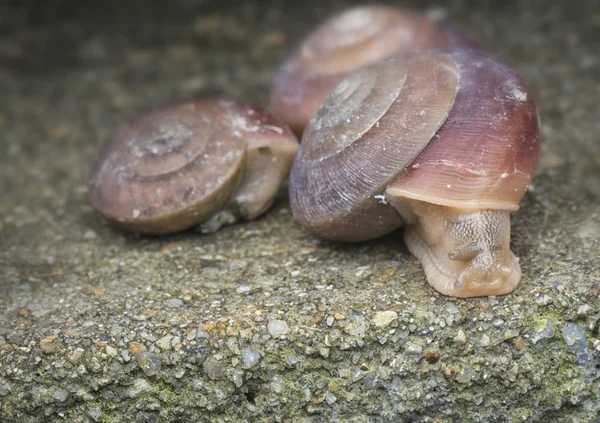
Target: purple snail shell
point(444, 143)
point(184, 165)
point(343, 44)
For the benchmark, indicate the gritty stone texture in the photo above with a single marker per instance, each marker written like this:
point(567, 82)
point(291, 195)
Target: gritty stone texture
point(97, 325)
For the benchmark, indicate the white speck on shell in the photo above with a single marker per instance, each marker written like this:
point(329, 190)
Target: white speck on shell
point(274, 128)
point(517, 94)
point(381, 198)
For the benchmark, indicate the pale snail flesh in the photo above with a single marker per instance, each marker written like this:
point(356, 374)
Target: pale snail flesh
point(443, 143)
point(211, 160)
point(346, 42)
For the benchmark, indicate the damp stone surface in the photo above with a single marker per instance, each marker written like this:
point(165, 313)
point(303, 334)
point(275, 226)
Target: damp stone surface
point(260, 321)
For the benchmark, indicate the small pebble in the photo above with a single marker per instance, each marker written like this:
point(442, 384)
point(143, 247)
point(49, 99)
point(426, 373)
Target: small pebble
point(164, 343)
point(278, 327)
point(485, 340)
point(384, 318)
point(111, 351)
point(277, 385)
point(583, 310)
point(47, 344)
point(544, 300)
point(510, 334)
point(201, 333)
point(330, 398)
point(60, 396)
point(4, 389)
point(544, 330)
point(575, 339)
point(432, 356)
point(412, 348)
point(149, 363)
point(90, 234)
point(250, 358)
point(175, 303)
point(243, 289)
point(213, 369)
point(447, 372)
point(237, 377)
point(460, 338)
point(520, 344)
point(464, 376)
point(139, 386)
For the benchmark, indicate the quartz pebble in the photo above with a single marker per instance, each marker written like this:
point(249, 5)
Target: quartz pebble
point(250, 358)
point(164, 343)
point(544, 330)
point(4, 389)
point(278, 327)
point(139, 386)
point(460, 338)
point(574, 337)
point(384, 318)
point(149, 363)
point(243, 289)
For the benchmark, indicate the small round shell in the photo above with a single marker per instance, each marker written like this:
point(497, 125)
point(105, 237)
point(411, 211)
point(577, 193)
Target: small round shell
point(176, 167)
point(355, 38)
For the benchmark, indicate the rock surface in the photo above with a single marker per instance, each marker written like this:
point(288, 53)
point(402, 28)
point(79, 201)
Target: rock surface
point(261, 321)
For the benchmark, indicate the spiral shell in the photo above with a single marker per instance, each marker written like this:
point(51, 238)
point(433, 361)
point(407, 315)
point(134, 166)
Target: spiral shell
point(353, 39)
point(177, 167)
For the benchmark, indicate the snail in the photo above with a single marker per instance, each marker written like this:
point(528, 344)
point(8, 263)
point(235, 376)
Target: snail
point(209, 160)
point(346, 42)
point(444, 143)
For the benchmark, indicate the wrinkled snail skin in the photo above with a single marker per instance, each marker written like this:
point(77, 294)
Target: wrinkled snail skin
point(179, 166)
point(343, 44)
point(443, 143)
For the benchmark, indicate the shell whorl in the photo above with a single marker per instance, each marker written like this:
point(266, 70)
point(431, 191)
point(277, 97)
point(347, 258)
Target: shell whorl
point(365, 35)
point(359, 102)
point(345, 163)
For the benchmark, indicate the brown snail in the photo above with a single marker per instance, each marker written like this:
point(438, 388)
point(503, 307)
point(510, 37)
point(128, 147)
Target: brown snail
point(187, 164)
point(444, 143)
point(343, 44)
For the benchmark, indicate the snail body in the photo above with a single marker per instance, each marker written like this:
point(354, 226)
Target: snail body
point(443, 143)
point(184, 165)
point(358, 37)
